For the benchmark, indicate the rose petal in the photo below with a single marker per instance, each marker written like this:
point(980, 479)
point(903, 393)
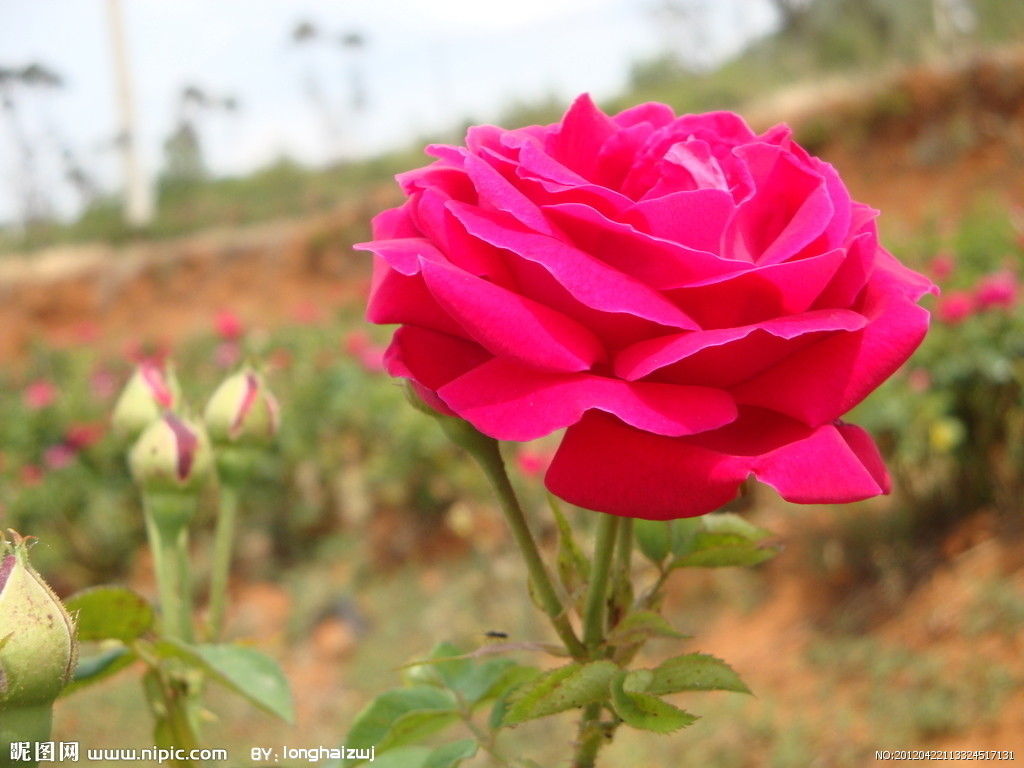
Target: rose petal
point(397, 298)
point(826, 379)
point(824, 468)
point(655, 261)
point(510, 401)
point(760, 293)
point(430, 360)
point(605, 465)
point(788, 209)
point(584, 129)
point(696, 219)
point(509, 324)
point(589, 280)
point(717, 358)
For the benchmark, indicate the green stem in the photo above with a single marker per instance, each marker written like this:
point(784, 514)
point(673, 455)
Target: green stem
point(597, 592)
point(24, 724)
point(167, 517)
point(591, 737)
point(221, 566)
point(485, 451)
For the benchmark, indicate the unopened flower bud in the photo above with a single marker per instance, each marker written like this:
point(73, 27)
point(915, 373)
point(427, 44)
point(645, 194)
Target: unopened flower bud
point(38, 647)
point(172, 455)
point(242, 411)
point(150, 392)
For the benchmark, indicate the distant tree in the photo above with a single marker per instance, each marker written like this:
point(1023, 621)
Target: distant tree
point(15, 82)
point(183, 153)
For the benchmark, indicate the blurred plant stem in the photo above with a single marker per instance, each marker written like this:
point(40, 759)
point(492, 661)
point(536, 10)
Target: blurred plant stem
point(487, 453)
point(221, 566)
point(167, 516)
point(166, 526)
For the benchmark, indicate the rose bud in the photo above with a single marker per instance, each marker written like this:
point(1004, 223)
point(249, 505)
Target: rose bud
point(38, 647)
point(172, 455)
point(242, 410)
point(152, 390)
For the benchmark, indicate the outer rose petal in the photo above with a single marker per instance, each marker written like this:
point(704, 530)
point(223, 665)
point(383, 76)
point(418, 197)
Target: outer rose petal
point(509, 324)
point(606, 465)
point(430, 360)
point(833, 465)
point(824, 380)
point(510, 401)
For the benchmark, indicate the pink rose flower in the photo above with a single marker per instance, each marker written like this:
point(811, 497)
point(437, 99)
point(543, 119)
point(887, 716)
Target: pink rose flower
point(942, 266)
point(532, 463)
point(955, 307)
point(692, 302)
point(228, 325)
point(40, 394)
point(998, 290)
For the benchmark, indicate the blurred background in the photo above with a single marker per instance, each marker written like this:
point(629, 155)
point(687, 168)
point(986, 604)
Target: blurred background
point(185, 180)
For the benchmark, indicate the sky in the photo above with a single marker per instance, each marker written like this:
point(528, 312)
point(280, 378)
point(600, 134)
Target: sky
point(426, 64)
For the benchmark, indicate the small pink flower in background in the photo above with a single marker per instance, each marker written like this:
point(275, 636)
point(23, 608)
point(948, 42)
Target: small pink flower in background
point(942, 266)
point(369, 355)
point(83, 434)
point(997, 290)
point(919, 380)
point(86, 332)
point(40, 394)
point(31, 475)
point(59, 456)
point(372, 359)
point(227, 354)
point(356, 341)
point(228, 325)
point(533, 463)
point(307, 313)
point(955, 307)
point(103, 384)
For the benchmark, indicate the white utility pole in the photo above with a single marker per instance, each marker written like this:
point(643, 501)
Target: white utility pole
point(138, 194)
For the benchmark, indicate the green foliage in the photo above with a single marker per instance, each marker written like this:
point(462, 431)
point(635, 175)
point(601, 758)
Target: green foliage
point(249, 673)
point(694, 672)
point(709, 541)
point(110, 613)
point(642, 710)
point(562, 689)
point(640, 626)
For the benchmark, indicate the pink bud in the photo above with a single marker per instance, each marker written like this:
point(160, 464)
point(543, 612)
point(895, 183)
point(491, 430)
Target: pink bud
point(59, 456)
